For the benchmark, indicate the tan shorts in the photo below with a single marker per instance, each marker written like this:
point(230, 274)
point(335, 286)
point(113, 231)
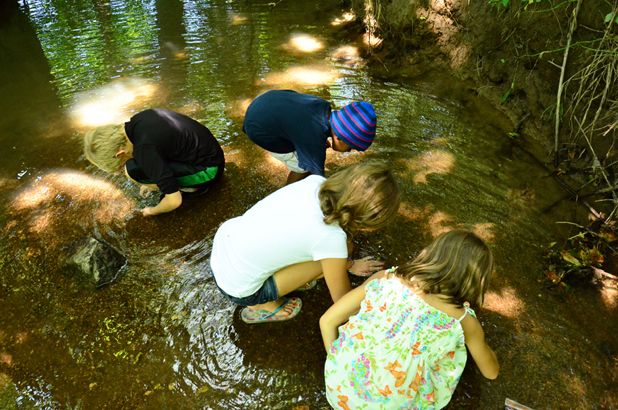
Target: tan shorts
point(290, 159)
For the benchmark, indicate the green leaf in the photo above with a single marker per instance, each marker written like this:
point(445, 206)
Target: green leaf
point(505, 3)
point(567, 257)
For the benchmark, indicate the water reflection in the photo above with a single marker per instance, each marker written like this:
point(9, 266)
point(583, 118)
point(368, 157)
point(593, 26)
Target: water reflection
point(163, 336)
point(303, 43)
point(112, 103)
point(301, 77)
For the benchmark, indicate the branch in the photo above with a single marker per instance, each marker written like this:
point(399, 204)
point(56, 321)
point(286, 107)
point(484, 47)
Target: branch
point(560, 84)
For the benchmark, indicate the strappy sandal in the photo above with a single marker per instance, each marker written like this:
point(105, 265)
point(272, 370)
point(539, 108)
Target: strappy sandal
point(252, 316)
point(308, 286)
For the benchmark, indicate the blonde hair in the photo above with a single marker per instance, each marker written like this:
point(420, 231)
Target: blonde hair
point(102, 144)
point(360, 196)
point(456, 265)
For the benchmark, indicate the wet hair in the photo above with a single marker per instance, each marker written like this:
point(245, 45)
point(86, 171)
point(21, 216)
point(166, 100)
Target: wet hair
point(102, 144)
point(456, 265)
point(361, 196)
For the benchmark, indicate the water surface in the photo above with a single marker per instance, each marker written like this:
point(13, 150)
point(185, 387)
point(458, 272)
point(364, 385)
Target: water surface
point(162, 336)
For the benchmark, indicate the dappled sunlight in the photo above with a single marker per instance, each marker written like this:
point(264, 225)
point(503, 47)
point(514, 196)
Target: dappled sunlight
point(431, 162)
point(347, 54)
point(505, 302)
point(236, 109)
point(111, 103)
point(344, 19)
point(6, 359)
point(609, 297)
point(142, 59)
point(303, 43)
point(238, 19)
point(372, 40)
point(301, 76)
point(61, 199)
point(435, 222)
point(190, 108)
point(5, 380)
point(485, 231)
point(440, 222)
point(181, 55)
point(177, 53)
point(438, 17)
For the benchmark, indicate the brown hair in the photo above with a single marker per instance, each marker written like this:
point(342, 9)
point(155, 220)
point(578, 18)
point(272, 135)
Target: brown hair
point(102, 144)
point(456, 265)
point(361, 196)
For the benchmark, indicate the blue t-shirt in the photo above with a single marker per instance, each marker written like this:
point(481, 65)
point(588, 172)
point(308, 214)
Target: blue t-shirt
point(284, 121)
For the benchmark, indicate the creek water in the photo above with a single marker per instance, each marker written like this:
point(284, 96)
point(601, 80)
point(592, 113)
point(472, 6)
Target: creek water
point(162, 336)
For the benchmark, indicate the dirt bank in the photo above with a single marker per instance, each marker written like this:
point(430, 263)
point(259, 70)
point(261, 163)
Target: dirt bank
point(512, 56)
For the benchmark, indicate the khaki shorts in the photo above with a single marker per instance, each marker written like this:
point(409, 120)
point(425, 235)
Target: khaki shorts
point(290, 159)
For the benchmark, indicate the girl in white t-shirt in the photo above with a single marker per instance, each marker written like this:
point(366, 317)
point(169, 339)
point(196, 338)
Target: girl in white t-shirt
point(300, 233)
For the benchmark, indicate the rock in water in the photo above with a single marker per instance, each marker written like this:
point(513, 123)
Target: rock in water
point(97, 262)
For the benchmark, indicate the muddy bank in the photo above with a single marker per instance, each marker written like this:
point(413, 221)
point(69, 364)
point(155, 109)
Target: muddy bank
point(512, 56)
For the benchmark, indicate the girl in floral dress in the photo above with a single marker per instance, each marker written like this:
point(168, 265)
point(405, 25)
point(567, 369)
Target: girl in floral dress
point(403, 345)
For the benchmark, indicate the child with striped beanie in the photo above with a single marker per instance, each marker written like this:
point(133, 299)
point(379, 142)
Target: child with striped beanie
point(355, 124)
point(297, 128)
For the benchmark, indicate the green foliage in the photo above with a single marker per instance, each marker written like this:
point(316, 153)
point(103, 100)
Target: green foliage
point(506, 3)
point(608, 18)
point(581, 255)
point(505, 97)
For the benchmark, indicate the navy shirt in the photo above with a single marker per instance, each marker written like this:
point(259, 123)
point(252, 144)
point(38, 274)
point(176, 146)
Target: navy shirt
point(284, 121)
point(162, 136)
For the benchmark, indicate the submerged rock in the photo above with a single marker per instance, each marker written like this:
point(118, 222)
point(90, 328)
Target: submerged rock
point(96, 262)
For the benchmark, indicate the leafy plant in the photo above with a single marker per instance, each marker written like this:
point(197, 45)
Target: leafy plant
point(582, 255)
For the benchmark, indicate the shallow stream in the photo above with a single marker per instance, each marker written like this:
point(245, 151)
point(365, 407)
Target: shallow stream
point(162, 336)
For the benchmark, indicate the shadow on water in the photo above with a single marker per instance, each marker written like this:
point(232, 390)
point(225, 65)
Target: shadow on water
point(163, 336)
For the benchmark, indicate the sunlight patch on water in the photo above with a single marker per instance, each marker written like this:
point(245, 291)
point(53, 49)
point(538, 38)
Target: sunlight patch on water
point(346, 54)
point(371, 40)
point(301, 76)
point(431, 162)
point(237, 108)
point(440, 222)
point(111, 103)
point(238, 19)
point(505, 302)
point(435, 222)
point(49, 197)
point(609, 296)
point(303, 43)
point(345, 18)
point(485, 231)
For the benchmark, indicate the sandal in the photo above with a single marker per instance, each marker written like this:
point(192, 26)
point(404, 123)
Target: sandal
point(308, 286)
point(251, 316)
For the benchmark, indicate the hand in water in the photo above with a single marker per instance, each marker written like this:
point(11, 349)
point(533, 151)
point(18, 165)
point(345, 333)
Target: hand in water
point(365, 266)
point(145, 190)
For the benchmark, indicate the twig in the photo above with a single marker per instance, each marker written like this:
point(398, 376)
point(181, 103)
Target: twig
point(560, 84)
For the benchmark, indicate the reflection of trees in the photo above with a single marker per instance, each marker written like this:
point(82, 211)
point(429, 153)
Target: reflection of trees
point(109, 37)
point(29, 105)
point(172, 46)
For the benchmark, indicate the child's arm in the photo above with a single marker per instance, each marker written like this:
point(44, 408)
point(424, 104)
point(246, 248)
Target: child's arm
point(167, 204)
point(341, 311)
point(336, 277)
point(484, 357)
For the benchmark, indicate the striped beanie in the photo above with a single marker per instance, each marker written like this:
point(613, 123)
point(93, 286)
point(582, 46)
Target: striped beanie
point(355, 124)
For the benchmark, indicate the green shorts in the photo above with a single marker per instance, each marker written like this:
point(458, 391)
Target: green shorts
point(186, 175)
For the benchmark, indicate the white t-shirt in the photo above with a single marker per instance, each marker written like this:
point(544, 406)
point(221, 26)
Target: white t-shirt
point(282, 229)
